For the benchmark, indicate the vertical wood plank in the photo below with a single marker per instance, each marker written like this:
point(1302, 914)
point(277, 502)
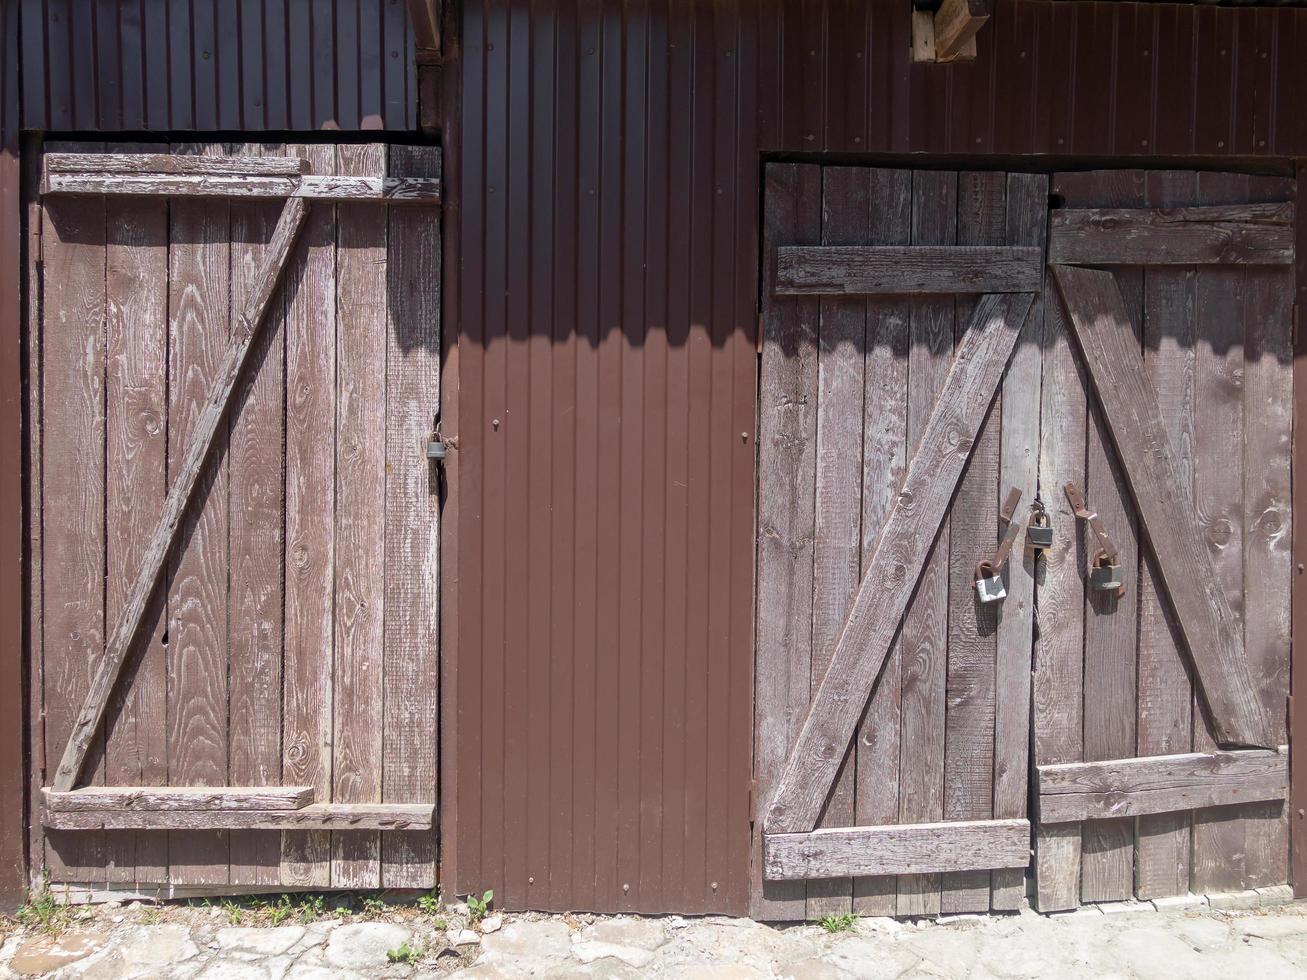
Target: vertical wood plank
point(360, 516)
point(1107, 872)
point(884, 465)
point(1220, 834)
point(136, 328)
point(787, 440)
point(924, 635)
point(73, 488)
point(972, 626)
point(412, 556)
point(1268, 429)
point(33, 514)
point(837, 543)
point(1057, 681)
point(1165, 692)
point(257, 494)
point(1027, 219)
point(308, 669)
point(199, 256)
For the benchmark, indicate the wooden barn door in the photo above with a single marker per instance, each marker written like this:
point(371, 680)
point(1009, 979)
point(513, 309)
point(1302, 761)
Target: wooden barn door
point(1168, 402)
point(892, 429)
point(234, 371)
point(915, 374)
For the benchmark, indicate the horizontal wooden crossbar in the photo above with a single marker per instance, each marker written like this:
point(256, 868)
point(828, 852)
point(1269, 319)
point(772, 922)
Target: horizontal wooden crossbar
point(238, 177)
point(806, 270)
point(179, 798)
point(316, 816)
point(1238, 234)
point(919, 848)
point(1161, 784)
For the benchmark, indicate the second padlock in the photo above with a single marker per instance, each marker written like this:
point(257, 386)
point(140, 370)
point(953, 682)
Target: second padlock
point(1106, 574)
point(989, 582)
point(1039, 532)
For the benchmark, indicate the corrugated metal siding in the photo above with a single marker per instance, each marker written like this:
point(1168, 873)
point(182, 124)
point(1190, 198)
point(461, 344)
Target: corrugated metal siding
point(136, 65)
point(605, 209)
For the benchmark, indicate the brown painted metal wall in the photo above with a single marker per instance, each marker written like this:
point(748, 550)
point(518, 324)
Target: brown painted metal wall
point(602, 230)
point(136, 65)
point(12, 845)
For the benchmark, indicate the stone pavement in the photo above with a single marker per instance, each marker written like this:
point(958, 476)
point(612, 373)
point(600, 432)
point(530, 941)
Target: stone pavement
point(1127, 941)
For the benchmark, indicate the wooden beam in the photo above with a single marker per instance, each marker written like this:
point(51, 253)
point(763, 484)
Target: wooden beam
point(897, 563)
point(807, 270)
point(324, 187)
point(956, 25)
point(1240, 234)
point(316, 816)
point(424, 15)
point(179, 798)
point(920, 848)
point(1161, 784)
point(179, 495)
point(1214, 637)
point(155, 164)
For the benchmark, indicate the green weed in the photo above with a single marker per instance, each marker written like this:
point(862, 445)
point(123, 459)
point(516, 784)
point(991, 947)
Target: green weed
point(838, 923)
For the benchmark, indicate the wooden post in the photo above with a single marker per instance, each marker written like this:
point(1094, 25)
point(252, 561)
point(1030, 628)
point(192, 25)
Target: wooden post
point(1298, 604)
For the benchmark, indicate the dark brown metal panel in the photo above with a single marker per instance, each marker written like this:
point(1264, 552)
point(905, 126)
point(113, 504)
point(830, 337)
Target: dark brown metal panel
point(137, 65)
point(12, 807)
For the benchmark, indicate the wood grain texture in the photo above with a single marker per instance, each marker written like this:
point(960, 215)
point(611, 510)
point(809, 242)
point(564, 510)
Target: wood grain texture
point(256, 491)
point(915, 520)
point(412, 627)
point(136, 372)
point(1242, 234)
point(361, 339)
point(199, 320)
point(189, 290)
point(1165, 691)
point(366, 819)
point(179, 798)
point(841, 340)
point(1111, 621)
point(120, 160)
point(972, 626)
point(1160, 784)
point(1268, 518)
point(956, 24)
point(787, 439)
point(1057, 710)
point(307, 690)
point(1027, 209)
point(1102, 328)
point(884, 465)
point(73, 494)
point(919, 268)
point(930, 848)
point(923, 639)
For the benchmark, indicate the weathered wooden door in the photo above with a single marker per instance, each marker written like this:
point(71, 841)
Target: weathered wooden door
point(234, 360)
point(899, 409)
point(881, 368)
point(1168, 401)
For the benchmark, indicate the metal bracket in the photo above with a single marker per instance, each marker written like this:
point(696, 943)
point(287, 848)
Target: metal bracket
point(990, 567)
point(1077, 501)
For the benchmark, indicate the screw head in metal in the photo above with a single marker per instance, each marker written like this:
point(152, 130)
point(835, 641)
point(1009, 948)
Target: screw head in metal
point(626, 888)
point(495, 423)
point(531, 880)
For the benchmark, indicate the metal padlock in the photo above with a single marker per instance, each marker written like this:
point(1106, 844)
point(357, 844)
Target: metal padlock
point(1039, 532)
point(1106, 575)
point(989, 583)
point(437, 448)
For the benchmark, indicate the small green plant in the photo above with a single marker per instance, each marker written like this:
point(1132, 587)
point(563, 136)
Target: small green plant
point(153, 915)
point(429, 904)
point(404, 953)
point(235, 914)
point(44, 912)
point(373, 905)
point(478, 907)
point(311, 907)
point(280, 910)
point(838, 923)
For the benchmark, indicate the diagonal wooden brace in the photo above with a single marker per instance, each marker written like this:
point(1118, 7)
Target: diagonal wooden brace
point(1115, 366)
point(249, 325)
point(897, 563)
